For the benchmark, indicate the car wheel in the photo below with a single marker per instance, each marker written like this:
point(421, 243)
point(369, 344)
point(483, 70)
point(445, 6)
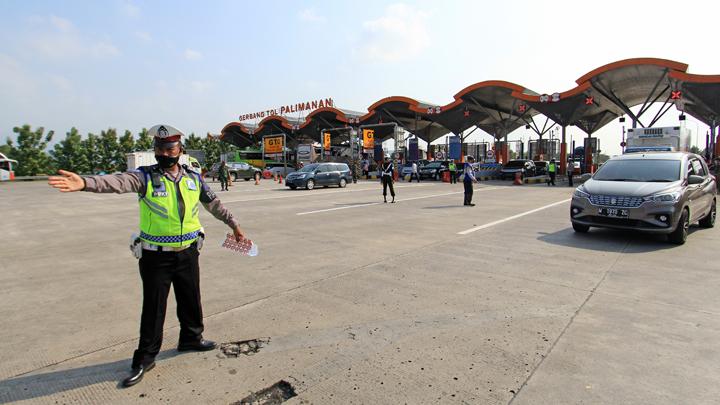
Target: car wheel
point(709, 220)
point(679, 235)
point(292, 187)
point(342, 183)
point(580, 228)
point(247, 179)
point(310, 184)
point(437, 177)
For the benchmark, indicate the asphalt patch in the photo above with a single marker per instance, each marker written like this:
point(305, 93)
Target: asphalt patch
point(246, 347)
point(275, 394)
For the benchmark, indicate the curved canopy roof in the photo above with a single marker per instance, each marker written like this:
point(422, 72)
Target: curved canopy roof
point(499, 107)
point(699, 96)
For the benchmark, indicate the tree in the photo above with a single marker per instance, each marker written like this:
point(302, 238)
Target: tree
point(6, 149)
point(91, 150)
point(30, 151)
point(69, 154)
point(109, 151)
point(126, 145)
point(144, 141)
point(193, 142)
point(213, 148)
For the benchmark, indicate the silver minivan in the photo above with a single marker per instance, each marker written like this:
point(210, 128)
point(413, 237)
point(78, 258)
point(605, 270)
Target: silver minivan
point(659, 192)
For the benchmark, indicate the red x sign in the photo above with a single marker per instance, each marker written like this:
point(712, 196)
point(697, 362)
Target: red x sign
point(675, 95)
point(588, 101)
point(522, 108)
point(466, 113)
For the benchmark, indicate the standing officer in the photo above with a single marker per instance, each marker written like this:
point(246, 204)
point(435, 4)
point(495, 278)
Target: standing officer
point(169, 197)
point(552, 169)
point(468, 179)
point(452, 169)
point(387, 178)
point(570, 169)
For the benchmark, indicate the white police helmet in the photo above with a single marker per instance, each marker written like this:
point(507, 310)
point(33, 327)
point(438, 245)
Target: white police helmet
point(164, 134)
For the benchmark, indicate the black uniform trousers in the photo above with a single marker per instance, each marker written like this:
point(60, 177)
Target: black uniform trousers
point(468, 185)
point(158, 271)
point(453, 176)
point(552, 178)
point(387, 181)
point(570, 179)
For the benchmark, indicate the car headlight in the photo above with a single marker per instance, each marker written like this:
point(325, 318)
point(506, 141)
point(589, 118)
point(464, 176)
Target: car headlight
point(580, 192)
point(664, 197)
point(301, 175)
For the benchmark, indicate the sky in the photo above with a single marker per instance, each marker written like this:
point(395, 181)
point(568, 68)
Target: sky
point(199, 65)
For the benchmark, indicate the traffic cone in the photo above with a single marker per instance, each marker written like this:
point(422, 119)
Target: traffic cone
point(280, 178)
point(257, 180)
point(518, 179)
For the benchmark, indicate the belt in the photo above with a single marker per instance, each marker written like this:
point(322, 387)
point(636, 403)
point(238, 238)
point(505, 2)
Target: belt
point(158, 248)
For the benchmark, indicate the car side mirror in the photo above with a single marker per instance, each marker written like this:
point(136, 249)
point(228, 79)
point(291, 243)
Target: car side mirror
point(695, 179)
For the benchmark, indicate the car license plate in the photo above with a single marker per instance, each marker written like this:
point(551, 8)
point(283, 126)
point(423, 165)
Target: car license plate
point(613, 212)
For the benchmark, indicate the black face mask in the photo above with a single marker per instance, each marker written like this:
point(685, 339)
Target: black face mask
point(167, 162)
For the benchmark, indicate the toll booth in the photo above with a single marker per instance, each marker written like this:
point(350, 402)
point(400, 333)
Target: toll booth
point(592, 152)
point(502, 153)
point(478, 150)
point(544, 149)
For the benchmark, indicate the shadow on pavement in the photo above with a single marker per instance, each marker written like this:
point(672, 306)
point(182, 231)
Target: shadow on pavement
point(610, 240)
point(39, 385)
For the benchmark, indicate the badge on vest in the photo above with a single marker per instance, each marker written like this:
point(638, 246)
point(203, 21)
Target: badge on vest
point(159, 194)
point(191, 184)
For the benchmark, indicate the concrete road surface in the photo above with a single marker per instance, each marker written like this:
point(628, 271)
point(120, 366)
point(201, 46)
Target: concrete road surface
point(420, 302)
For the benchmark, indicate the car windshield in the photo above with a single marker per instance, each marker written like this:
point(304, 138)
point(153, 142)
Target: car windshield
point(644, 170)
point(309, 168)
point(540, 164)
point(515, 163)
point(433, 165)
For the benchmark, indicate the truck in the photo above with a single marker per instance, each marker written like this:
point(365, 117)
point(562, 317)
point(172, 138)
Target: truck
point(6, 168)
point(658, 139)
point(138, 159)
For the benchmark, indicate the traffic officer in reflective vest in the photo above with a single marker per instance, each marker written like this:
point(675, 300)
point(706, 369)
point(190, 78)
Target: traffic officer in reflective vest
point(170, 196)
point(552, 170)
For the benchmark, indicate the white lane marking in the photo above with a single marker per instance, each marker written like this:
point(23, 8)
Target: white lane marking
point(396, 201)
point(308, 193)
point(500, 221)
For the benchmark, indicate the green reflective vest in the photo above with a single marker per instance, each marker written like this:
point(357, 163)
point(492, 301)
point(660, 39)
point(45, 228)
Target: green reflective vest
point(551, 168)
point(451, 166)
point(160, 221)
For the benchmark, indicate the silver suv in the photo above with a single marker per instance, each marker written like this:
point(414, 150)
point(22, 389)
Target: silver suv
point(661, 192)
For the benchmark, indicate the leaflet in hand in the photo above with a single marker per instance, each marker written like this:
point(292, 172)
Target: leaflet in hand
point(245, 247)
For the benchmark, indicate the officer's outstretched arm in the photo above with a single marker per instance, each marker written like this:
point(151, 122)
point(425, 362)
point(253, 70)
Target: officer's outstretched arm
point(67, 181)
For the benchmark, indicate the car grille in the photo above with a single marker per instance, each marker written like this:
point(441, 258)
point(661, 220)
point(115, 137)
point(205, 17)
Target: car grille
point(616, 201)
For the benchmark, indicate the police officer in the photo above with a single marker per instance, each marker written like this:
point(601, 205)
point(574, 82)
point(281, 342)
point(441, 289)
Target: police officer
point(170, 196)
point(569, 171)
point(453, 169)
point(468, 179)
point(386, 171)
point(552, 170)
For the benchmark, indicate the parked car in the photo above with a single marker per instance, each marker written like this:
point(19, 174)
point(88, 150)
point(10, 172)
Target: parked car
point(237, 170)
point(662, 192)
point(432, 170)
point(279, 168)
point(541, 167)
point(526, 168)
point(407, 169)
point(320, 174)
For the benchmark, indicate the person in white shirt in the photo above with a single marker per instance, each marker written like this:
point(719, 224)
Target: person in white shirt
point(414, 173)
point(468, 180)
point(386, 170)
